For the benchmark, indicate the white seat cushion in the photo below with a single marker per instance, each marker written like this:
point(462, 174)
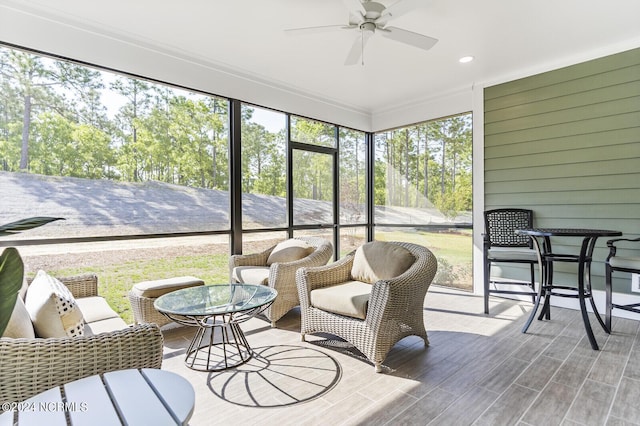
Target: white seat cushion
point(250, 274)
point(380, 260)
point(20, 325)
point(350, 298)
point(289, 251)
point(105, 325)
point(512, 253)
point(625, 262)
point(95, 308)
point(52, 308)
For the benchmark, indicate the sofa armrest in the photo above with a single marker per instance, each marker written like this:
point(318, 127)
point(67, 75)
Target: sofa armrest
point(31, 366)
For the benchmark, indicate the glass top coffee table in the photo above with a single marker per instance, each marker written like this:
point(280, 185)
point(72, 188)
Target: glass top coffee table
point(217, 311)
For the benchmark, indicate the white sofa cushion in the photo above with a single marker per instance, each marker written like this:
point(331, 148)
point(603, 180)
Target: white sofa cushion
point(20, 325)
point(95, 308)
point(105, 325)
point(289, 251)
point(379, 260)
point(350, 298)
point(52, 308)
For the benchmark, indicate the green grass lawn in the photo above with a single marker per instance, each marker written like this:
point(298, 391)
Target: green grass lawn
point(114, 281)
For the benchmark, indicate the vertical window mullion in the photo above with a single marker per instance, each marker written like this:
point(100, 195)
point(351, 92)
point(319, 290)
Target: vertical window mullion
point(235, 165)
point(289, 178)
point(370, 162)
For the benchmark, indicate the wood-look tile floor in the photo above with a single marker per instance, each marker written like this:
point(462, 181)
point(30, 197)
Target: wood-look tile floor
point(479, 369)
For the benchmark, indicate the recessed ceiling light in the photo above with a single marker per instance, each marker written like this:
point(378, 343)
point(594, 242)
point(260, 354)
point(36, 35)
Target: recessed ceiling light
point(465, 59)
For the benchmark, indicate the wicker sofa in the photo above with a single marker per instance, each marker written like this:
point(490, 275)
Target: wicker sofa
point(29, 366)
point(256, 268)
point(372, 297)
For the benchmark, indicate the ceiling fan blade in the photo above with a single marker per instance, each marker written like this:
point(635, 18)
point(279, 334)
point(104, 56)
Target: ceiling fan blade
point(409, 37)
point(319, 29)
point(355, 53)
point(399, 8)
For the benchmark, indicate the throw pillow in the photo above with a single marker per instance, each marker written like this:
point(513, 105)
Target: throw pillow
point(53, 309)
point(379, 260)
point(289, 251)
point(20, 325)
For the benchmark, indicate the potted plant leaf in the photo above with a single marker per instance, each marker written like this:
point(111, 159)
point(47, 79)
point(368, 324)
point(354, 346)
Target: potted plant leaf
point(12, 267)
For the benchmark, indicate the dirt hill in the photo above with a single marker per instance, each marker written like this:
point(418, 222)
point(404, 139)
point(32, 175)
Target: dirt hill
point(103, 207)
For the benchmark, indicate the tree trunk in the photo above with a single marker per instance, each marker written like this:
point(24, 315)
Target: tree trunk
point(26, 125)
point(357, 200)
point(453, 174)
point(405, 184)
point(426, 166)
point(442, 171)
point(214, 171)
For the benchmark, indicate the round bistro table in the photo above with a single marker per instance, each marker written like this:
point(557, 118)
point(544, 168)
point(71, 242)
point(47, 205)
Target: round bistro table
point(123, 397)
point(217, 311)
point(546, 258)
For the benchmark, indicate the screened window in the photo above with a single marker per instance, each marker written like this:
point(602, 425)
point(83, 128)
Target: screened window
point(353, 177)
point(113, 155)
point(422, 190)
point(264, 168)
point(423, 173)
point(312, 188)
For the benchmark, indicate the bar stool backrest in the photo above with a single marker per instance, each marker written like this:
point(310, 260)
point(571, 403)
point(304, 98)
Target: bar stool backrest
point(501, 224)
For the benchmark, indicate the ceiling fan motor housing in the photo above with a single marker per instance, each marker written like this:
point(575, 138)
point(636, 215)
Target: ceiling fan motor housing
point(373, 10)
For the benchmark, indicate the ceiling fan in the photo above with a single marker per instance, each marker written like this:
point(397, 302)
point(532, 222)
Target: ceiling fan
point(370, 17)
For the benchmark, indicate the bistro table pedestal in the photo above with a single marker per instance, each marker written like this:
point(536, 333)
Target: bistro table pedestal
point(546, 259)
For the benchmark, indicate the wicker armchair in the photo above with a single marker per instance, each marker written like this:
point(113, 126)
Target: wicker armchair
point(30, 366)
point(282, 275)
point(394, 309)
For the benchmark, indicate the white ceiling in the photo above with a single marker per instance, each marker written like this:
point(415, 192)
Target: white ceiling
point(508, 38)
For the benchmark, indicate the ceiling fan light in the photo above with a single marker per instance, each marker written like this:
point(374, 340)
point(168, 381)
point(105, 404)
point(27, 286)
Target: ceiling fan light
point(368, 26)
point(466, 59)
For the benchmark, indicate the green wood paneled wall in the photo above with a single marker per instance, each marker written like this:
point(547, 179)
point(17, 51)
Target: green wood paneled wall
point(566, 144)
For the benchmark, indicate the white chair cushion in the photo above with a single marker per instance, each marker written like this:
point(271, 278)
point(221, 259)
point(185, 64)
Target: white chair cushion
point(52, 308)
point(350, 298)
point(379, 260)
point(20, 325)
point(289, 251)
point(625, 262)
point(250, 274)
point(512, 253)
